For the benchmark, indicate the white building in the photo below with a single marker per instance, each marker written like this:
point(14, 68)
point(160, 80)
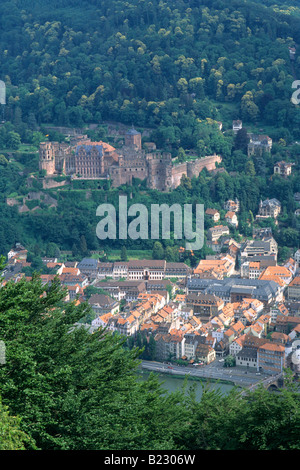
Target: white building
point(297, 257)
point(120, 270)
point(236, 346)
point(231, 218)
point(236, 126)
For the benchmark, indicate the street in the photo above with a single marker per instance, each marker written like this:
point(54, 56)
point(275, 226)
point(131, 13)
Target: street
point(214, 371)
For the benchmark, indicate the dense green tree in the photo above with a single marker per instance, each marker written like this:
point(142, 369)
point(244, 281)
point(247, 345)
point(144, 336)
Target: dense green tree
point(241, 140)
point(72, 389)
point(249, 168)
point(83, 246)
point(259, 421)
point(158, 251)
point(123, 253)
point(11, 435)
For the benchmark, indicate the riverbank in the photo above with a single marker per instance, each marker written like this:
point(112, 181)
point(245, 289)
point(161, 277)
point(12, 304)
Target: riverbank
point(176, 382)
point(213, 372)
point(190, 376)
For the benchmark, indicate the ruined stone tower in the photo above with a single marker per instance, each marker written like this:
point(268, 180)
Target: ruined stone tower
point(47, 157)
point(133, 139)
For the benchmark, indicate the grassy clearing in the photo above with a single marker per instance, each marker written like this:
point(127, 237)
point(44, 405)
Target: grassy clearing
point(115, 255)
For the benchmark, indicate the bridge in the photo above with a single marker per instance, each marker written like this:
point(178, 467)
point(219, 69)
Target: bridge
point(247, 382)
point(270, 383)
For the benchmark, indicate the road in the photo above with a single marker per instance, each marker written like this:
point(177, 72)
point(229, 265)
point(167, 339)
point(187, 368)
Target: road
point(213, 371)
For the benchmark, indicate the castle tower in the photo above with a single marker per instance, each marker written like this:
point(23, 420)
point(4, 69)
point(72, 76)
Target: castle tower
point(133, 138)
point(47, 157)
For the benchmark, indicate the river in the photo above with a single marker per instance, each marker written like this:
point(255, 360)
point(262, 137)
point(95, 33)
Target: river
point(171, 384)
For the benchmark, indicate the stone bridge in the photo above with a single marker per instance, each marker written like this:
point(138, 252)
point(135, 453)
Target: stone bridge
point(273, 382)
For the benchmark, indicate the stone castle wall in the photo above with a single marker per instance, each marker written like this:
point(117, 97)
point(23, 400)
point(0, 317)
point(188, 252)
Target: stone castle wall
point(193, 168)
point(196, 166)
point(177, 172)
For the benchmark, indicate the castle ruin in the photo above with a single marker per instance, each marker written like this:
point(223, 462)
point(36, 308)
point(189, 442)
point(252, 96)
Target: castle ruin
point(96, 160)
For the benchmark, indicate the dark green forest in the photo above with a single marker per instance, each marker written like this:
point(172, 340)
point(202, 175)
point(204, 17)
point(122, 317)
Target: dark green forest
point(174, 67)
point(163, 64)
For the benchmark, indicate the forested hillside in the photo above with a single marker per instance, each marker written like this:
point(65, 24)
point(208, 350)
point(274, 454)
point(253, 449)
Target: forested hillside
point(148, 63)
point(175, 67)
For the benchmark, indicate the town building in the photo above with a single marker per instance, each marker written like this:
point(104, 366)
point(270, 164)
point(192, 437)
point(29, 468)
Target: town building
point(262, 248)
point(205, 353)
point(285, 323)
point(213, 214)
point(221, 267)
point(119, 290)
point(105, 269)
point(236, 289)
point(258, 144)
point(146, 269)
point(72, 279)
point(205, 306)
point(74, 291)
point(154, 270)
point(292, 51)
point(251, 269)
point(278, 309)
point(18, 251)
point(246, 358)
point(279, 274)
point(176, 270)
point(236, 345)
point(231, 218)
point(293, 289)
point(232, 205)
point(102, 303)
point(214, 233)
point(291, 265)
point(190, 345)
point(88, 267)
point(297, 257)
point(169, 346)
point(262, 233)
point(271, 358)
point(283, 169)
point(237, 125)
point(269, 208)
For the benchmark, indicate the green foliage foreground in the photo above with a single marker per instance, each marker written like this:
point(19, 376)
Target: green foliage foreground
point(73, 390)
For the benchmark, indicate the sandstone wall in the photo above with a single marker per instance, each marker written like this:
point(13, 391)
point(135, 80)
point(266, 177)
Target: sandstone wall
point(49, 183)
point(193, 168)
point(196, 166)
point(177, 172)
